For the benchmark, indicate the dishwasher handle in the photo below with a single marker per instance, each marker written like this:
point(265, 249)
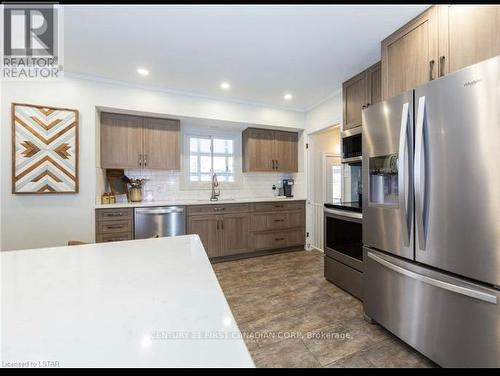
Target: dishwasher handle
point(160, 210)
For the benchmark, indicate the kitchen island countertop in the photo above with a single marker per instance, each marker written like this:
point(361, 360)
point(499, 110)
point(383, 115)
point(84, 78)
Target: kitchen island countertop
point(149, 303)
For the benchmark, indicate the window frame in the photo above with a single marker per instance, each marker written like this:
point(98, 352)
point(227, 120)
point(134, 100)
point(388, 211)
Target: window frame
point(190, 132)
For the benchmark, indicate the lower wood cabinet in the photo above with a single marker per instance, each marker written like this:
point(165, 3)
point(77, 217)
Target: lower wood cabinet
point(114, 225)
point(278, 239)
point(223, 229)
point(207, 228)
point(239, 229)
point(234, 233)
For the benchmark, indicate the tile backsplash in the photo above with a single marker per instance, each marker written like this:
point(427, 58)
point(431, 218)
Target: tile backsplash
point(167, 185)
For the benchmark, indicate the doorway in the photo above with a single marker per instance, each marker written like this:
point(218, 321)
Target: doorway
point(324, 179)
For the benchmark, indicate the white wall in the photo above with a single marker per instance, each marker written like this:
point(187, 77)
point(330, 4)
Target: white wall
point(326, 114)
point(31, 221)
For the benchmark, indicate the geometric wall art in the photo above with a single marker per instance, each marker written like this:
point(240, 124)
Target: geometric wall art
point(44, 149)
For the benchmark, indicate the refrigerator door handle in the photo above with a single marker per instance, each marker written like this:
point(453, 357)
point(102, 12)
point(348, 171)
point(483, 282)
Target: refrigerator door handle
point(420, 174)
point(435, 282)
point(403, 174)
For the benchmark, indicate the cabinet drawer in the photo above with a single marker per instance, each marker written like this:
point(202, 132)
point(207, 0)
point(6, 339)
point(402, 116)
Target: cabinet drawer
point(278, 239)
point(106, 227)
point(113, 214)
point(277, 206)
point(113, 237)
point(275, 221)
point(217, 209)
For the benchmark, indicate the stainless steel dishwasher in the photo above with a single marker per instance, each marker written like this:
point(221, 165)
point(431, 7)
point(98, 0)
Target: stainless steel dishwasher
point(154, 222)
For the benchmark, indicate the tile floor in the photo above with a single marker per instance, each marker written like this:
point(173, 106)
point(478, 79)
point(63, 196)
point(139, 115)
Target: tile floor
point(291, 316)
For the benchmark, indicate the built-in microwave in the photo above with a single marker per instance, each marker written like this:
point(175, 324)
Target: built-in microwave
point(351, 145)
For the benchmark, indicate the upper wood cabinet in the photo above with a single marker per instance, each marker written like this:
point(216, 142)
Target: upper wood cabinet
point(409, 56)
point(161, 144)
point(268, 150)
point(121, 141)
point(353, 100)
point(129, 141)
point(358, 93)
point(467, 35)
point(441, 40)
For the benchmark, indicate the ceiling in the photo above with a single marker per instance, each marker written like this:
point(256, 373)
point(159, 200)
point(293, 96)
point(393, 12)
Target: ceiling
point(262, 51)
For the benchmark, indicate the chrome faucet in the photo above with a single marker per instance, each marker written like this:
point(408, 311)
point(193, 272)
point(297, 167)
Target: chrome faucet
point(215, 194)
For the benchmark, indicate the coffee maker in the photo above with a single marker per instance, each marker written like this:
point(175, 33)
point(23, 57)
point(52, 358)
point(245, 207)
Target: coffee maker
point(287, 187)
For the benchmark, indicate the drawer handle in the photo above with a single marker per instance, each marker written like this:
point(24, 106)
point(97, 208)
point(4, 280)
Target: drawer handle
point(114, 215)
point(277, 239)
point(279, 220)
point(279, 206)
point(219, 209)
point(116, 226)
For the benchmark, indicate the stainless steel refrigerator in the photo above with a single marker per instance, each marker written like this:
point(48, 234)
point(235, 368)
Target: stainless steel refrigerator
point(431, 216)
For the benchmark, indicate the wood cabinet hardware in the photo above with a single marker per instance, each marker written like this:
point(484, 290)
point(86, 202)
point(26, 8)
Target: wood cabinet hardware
point(441, 65)
point(431, 70)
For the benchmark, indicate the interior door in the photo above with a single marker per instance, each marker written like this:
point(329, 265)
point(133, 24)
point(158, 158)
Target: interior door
point(161, 144)
point(333, 178)
point(234, 229)
point(286, 151)
point(207, 227)
point(457, 180)
point(386, 172)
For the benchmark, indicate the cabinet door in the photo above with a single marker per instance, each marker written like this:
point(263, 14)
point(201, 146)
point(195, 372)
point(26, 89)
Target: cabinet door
point(353, 100)
point(161, 144)
point(207, 228)
point(286, 152)
point(258, 150)
point(473, 35)
point(121, 141)
point(234, 230)
point(374, 84)
point(409, 56)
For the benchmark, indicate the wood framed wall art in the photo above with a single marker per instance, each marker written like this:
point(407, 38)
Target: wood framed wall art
point(44, 149)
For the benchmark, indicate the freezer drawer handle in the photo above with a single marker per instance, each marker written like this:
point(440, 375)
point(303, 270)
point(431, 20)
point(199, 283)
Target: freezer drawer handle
point(435, 282)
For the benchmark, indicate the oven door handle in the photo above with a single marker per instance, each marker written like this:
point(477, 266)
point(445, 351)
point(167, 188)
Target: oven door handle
point(341, 214)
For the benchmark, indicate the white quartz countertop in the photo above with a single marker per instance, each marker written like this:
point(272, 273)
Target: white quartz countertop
point(147, 303)
point(187, 202)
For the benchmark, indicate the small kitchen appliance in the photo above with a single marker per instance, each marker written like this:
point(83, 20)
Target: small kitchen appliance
point(287, 187)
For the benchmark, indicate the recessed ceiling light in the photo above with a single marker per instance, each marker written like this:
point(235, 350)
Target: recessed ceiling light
point(143, 71)
point(225, 85)
point(288, 97)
